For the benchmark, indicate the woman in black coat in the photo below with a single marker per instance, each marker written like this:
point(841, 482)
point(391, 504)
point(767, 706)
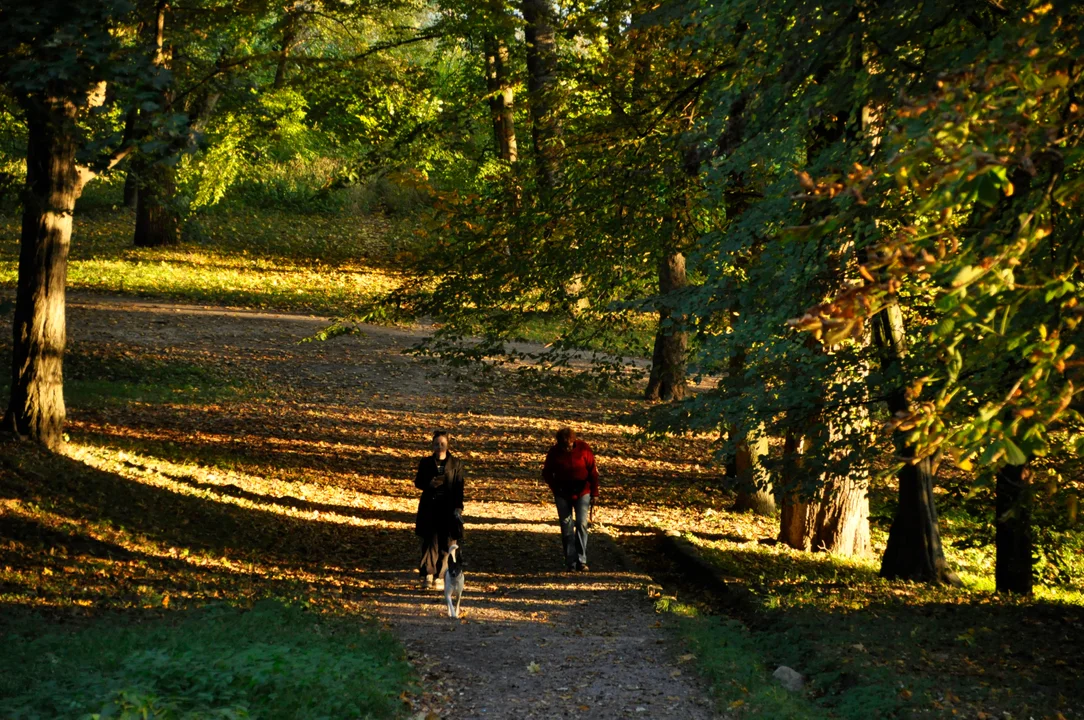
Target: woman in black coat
point(440, 510)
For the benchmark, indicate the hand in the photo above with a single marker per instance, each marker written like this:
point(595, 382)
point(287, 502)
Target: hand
point(591, 513)
point(436, 482)
point(459, 514)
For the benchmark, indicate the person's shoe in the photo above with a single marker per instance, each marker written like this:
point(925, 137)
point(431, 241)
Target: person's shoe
point(571, 567)
point(427, 583)
point(583, 567)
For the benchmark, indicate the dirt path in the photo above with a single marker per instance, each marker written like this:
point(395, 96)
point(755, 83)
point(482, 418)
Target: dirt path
point(333, 437)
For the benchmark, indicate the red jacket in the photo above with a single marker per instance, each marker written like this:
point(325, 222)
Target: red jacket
point(571, 474)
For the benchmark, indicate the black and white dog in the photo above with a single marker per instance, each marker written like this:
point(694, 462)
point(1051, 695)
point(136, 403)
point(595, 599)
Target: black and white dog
point(453, 580)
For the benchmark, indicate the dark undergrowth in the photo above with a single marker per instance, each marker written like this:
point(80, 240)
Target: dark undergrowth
point(868, 647)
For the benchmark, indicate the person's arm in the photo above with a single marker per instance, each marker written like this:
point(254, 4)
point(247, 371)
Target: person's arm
point(457, 487)
point(422, 478)
point(592, 471)
point(547, 470)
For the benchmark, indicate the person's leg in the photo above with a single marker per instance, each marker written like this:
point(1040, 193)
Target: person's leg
point(430, 556)
point(568, 533)
point(583, 511)
point(443, 566)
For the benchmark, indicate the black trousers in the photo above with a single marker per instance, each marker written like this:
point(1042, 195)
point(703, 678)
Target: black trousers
point(434, 555)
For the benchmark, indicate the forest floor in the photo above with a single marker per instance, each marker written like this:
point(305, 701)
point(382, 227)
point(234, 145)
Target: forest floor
point(280, 464)
point(215, 456)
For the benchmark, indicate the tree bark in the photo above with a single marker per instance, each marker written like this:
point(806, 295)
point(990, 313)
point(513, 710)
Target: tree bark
point(1012, 536)
point(835, 518)
point(53, 184)
point(501, 100)
point(289, 34)
point(914, 550)
point(756, 493)
point(541, 43)
point(157, 222)
point(794, 519)
point(840, 523)
point(131, 187)
point(131, 180)
point(667, 378)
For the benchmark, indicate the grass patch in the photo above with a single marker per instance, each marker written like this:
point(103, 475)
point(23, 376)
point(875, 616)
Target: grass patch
point(728, 656)
point(95, 381)
point(873, 648)
point(270, 661)
point(324, 264)
point(100, 375)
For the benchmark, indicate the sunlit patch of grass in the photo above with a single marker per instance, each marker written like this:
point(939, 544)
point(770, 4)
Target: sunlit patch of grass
point(315, 263)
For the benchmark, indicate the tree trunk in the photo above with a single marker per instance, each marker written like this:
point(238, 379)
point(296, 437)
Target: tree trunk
point(1013, 568)
point(840, 524)
point(914, 549)
point(131, 180)
point(157, 223)
point(834, 519)
point(667, 379)
point(541, 83)
point(914, 542)
point(756, 493)
point(289, 34)
point(794, 519)
point(501, 99)
point(131, 187)
point(53, 184)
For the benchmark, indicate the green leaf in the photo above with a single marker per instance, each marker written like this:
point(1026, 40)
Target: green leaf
point(1013, 454)
point(987, 191)
point(966, 275)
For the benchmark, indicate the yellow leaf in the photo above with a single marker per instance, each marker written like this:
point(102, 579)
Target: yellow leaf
point(736, 704)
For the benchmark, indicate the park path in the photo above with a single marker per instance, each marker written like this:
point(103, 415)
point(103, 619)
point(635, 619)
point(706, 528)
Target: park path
point(335, 433)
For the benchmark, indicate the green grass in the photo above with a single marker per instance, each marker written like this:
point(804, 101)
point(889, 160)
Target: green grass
point(271, 661)
point(728, 656)
point(97, 380)
point(874, 648)
point(324, 264)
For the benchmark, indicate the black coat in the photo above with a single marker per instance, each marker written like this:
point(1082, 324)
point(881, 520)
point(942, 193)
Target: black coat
point(437, 506)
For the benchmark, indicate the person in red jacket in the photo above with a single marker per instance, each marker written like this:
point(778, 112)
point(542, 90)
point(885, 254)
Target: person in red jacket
point(572, 476)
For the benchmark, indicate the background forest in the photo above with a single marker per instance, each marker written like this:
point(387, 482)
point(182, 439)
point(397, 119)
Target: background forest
point(839, 243)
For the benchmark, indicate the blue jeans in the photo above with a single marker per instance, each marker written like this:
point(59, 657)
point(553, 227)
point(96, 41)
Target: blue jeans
point(574, 532)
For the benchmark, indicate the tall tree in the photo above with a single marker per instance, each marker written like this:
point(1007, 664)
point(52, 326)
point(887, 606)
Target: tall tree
point(56, 59)
point(499, 84)
point(1013, 571)
point(666, 380)
point(541, 41)
point(157, 219)
point(914, 550)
